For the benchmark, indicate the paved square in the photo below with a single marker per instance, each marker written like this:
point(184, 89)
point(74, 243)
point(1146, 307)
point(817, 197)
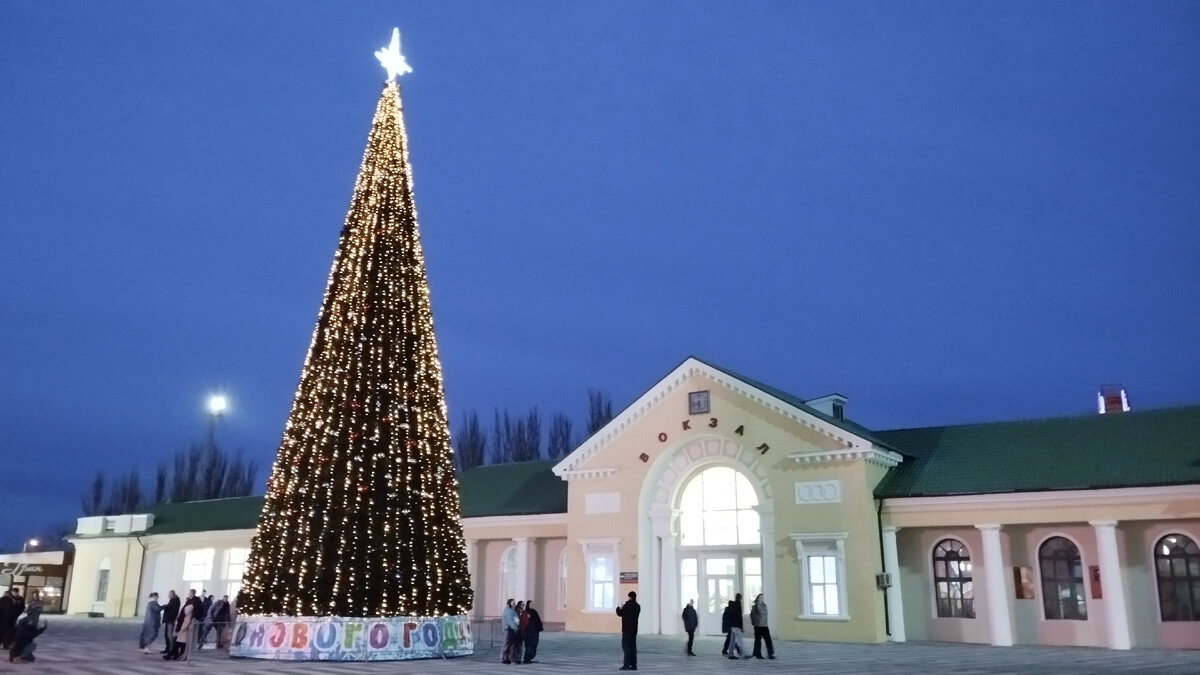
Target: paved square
point(77, 646)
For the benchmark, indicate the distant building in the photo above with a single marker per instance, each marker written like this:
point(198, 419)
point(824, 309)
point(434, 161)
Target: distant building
point(1071, 531)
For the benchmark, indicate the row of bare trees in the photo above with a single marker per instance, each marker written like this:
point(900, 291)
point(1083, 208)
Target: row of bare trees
point(202, 471)
point(519, 438)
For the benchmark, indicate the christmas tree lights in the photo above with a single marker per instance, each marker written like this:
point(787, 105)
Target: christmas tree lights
point(361, 517)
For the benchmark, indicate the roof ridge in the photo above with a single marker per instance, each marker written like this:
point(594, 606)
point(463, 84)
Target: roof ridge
point(1041, 420)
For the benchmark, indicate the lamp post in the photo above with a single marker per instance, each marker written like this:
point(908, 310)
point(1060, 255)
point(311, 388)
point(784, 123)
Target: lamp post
point(216, 406)
point(32, 542)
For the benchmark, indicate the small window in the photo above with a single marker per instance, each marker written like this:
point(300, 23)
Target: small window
point(110, 524)
point(1177, 561)
point(822, 575)
point(952, 580)
point(1062, 580)
point(600, 563)
point(102, 586)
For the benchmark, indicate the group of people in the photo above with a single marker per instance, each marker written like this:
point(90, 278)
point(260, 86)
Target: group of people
point(20, 624)
point(522, 628)
point(732, 625)
point(203, 612)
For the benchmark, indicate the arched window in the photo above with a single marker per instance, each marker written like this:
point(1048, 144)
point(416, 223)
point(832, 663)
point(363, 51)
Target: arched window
point(1062, 580)
point(1177, 560)
point(952, 580)
point(717, 509)
point(508, 575)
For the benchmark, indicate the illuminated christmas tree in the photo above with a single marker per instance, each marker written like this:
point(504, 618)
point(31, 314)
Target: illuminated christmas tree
point(361, 517)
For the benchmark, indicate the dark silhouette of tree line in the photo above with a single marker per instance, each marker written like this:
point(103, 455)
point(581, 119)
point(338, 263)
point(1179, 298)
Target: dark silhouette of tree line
point(202, 471)
point(519, 438)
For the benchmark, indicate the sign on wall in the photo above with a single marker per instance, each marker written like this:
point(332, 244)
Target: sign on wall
point(351, 639)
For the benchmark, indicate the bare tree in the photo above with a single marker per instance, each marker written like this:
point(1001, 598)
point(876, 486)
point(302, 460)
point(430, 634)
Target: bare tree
point(528, 437)
point(212, 476)
point(471, 448)
point(504, 438)
point(125, 495)
point(160, 483)
point(93, 500)
point(239, 479)
point(558, 442)
point(599, 410)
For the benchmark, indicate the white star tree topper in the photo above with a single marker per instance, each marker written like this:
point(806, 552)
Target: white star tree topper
point(392, 59)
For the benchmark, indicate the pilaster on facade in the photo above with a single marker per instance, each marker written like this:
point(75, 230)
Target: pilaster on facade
point(996, 583)
point(524, 569)
point(1113, 582)
point(895, 599)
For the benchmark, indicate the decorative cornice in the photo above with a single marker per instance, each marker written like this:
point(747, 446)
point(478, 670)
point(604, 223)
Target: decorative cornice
point(507, 521)
point(1042, 500)
point(585, 474)
point(870, 455)
point(676, 379)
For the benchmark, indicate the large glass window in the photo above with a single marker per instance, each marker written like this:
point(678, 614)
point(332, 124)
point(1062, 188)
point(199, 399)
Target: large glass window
point(717, 509)
point(952, 580)
point(1177, 561)
point(235, 568)
point(198, 567)
point(1062, 580)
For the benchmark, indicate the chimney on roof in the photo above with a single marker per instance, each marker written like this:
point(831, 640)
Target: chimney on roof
point(833, 405)
point(1111, 399)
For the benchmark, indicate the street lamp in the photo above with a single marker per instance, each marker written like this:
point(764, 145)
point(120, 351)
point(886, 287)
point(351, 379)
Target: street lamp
point(32, 542)
point(216, 405)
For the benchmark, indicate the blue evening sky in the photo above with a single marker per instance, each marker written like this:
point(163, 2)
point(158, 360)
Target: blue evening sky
point(947, 211)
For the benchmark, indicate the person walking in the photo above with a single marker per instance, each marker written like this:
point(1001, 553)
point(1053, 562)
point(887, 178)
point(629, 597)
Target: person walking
point(150, 624)
point(221, 620)
point(758, 619)
point(690, 622)
point(27, 629)
point(511, 624)
point(183, 626)
point(731, 621)
point(522, 620)
point(531, 632)
point(629, 627)
point(170, 614)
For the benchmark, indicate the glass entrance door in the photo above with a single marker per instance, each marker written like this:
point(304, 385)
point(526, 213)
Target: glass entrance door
point(713, 579)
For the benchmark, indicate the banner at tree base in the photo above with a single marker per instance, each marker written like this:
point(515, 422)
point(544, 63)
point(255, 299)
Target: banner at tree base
point(332, 638)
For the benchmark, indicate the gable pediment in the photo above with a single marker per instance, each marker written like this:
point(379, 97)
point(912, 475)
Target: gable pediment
point(584, 462)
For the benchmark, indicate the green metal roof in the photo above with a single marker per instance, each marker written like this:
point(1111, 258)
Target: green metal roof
point(517, 489)
point(844, 424)
point(235, 513)
point(1153, 447)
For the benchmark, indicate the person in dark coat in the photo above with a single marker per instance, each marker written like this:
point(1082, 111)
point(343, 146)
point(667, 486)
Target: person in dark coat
point(758, 618)
point(8, 618)
point(169, 615)
point(532, 632)
point(690, 622)
point(729, 636)
point(221, 616)
point(629, 627)
point(27, 629)
point(731, 622)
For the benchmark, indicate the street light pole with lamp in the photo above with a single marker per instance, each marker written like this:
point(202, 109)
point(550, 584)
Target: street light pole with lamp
point(32, 542)
point(216, 406)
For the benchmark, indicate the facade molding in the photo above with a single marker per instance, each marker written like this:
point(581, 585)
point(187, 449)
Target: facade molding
point(871, 455)
point(508, 521)
point(584, 474)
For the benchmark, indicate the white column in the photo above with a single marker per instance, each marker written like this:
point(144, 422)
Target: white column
point(523, 571)
point(995, 580)
point(891, 565)
point(664, 587)
point(472, 566)
point(1113, 581)
point(766, 528)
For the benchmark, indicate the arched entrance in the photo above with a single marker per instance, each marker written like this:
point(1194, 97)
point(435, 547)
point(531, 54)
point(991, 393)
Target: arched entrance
point(717, 550)
point(720, 550)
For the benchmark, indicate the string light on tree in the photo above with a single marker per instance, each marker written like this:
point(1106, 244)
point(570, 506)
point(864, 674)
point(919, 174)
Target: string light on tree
point(362, 515)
